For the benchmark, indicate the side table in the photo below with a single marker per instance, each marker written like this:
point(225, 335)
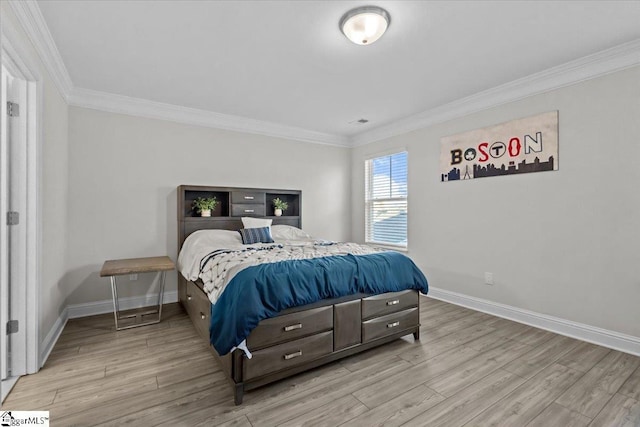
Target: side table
point(119, 267)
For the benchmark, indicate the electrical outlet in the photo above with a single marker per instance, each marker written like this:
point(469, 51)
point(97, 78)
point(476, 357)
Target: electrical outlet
point(488, 278)
point(133, 277)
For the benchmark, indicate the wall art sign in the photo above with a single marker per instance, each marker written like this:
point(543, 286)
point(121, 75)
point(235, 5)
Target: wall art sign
point(519, 146)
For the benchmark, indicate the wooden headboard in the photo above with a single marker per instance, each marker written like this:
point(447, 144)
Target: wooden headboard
point(234, 203)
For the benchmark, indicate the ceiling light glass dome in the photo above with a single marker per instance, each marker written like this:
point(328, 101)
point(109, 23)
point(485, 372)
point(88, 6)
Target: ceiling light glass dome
point(365, 25)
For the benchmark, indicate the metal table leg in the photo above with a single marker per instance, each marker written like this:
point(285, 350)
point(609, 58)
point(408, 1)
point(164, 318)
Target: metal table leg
point(161, 295)
point(116, 306)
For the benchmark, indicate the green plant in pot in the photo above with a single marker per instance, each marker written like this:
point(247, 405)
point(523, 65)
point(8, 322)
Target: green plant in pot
point(279, 206)
point(205, 205)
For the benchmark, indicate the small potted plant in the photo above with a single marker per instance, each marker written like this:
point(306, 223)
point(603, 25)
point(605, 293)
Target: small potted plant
point(279, 206)
point(205, 205)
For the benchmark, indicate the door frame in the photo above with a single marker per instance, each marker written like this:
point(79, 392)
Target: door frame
point(18, 58)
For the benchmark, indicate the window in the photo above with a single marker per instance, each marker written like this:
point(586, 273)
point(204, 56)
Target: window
point(386, 200)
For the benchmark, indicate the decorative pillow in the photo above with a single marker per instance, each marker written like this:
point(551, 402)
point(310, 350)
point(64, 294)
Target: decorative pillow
point(255, 235)
point(249, 222)
point(287, 232)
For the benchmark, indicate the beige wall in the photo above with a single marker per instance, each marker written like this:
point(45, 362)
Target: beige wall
point(562, 243)
point(54, 186)
point(123, 174)
point(54, 192)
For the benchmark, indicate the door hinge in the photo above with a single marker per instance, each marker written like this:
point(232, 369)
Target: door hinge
point(13, 109)
point(13, 218)
point(12, 327)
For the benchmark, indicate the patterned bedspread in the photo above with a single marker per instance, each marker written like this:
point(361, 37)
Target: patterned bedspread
point(264, 290)
point(220, 266)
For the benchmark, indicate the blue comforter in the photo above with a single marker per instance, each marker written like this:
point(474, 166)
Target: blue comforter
point(262, 291)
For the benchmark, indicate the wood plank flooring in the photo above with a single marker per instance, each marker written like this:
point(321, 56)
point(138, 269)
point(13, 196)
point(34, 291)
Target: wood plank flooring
point(469, 369)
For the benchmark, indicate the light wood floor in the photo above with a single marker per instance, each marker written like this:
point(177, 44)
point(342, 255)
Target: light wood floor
point(468, 369)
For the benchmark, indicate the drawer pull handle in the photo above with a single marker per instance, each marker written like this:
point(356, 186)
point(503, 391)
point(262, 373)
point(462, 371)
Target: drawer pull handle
point(188, 297)
point(293, 355)
point(249, 210)
point(202, 316)
point(293, 327)
point(393, 302)
point(393, 325)
point(248, 197)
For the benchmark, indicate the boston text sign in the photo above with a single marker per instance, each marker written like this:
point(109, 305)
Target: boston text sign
point(519, 146)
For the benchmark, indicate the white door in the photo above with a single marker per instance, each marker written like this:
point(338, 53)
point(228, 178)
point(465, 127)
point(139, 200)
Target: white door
point(4, 261)
point(13, 164)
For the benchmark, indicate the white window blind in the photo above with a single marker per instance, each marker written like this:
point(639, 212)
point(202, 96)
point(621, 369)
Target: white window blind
point(386, 200)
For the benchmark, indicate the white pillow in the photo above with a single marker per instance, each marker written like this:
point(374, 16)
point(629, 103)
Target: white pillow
point(199, 244)
point(287, 232)
point(249, 222)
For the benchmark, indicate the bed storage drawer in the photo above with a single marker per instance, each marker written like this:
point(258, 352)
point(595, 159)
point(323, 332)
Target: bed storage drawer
point(389, 324)
point(287, 355)
point(379, 305)
point(290, 326)
point(199, 308)
point(347, 321)
point(247, 210)
point(254, 197)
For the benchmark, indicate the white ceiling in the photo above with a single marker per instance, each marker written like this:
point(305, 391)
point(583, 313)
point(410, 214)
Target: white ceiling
point(286, 62)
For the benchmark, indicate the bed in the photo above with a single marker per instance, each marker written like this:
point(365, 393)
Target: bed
point(272, 301)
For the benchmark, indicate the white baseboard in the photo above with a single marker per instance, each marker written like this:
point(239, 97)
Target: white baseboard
point(106, 306)
point(74, 311)
point(52, 337)
point(610, 339)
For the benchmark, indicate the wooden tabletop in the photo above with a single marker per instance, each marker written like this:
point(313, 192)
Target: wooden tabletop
point(117, 267)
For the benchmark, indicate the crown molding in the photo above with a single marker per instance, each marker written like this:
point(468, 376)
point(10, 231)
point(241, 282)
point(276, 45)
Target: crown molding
point(589, 67)
point(121, 104)
point(604, 62)
point(18, 51)
point(31, 19)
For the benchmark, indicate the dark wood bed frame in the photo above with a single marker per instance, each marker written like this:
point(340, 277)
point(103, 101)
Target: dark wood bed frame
point(299, 338)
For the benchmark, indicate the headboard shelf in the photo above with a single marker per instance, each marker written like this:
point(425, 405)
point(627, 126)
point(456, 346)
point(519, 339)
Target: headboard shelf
point(234, 202)
point(226, 218)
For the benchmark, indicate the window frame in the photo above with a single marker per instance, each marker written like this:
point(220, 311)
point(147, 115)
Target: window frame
point(369, 201)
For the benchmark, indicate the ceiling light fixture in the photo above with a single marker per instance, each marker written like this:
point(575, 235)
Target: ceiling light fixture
point(364, 25)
